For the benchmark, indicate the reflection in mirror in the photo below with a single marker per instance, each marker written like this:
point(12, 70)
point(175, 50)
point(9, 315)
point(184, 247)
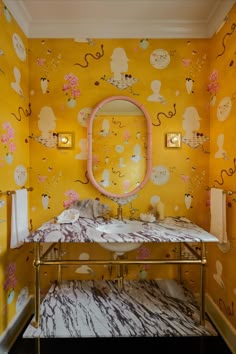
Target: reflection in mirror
point(119, 147)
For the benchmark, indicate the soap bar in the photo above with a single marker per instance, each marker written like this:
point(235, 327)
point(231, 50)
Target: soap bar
point(161, 210)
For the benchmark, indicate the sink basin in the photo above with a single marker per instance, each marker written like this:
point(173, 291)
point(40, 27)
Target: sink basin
point(120, 247)
point(120, 228)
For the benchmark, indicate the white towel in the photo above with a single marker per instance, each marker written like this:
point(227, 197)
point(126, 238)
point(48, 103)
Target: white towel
point(218, 214)
point(19, 218)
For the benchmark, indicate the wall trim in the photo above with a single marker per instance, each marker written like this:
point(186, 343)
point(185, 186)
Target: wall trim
point(224, 327)
point(16, 326)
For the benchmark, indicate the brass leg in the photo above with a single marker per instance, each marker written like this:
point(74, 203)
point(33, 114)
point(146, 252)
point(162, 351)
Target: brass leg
point(202, 285)
point(59, 277)
point(37, 345)
point(121, 274)
point(37, 283)
point(121, 277)
point(179, 265)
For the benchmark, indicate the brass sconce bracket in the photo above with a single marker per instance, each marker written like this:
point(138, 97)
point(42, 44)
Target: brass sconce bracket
point(65, 140)
point(173, 140)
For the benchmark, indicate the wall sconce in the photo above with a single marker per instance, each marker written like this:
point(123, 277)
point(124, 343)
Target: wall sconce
point(173, 140)
point(64, 140)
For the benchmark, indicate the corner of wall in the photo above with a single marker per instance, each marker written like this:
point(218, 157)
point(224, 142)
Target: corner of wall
point(11, 333)
point(223, 326)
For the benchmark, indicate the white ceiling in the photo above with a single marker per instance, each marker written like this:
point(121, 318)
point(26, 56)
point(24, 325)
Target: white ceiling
point(119, 18)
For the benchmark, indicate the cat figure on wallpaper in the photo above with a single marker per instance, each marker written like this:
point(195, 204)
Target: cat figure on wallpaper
point(105, 181)
point(105, 128)
point(136, 157)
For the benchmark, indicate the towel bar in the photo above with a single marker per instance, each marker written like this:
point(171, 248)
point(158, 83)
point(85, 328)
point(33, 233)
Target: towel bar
point(13, 192)
point(224, 191)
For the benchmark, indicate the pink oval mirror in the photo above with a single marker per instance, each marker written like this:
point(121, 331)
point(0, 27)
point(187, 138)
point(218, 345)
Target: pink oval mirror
point(119, 147)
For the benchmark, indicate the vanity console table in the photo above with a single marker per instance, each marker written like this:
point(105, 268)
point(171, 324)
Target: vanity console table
point(172, 229)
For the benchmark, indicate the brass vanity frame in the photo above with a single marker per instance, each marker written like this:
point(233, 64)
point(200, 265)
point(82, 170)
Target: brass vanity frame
point(198, 258)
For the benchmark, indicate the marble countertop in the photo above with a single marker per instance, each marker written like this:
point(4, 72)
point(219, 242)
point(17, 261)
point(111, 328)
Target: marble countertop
point(171, 229)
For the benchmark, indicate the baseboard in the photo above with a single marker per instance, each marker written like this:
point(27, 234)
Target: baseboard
point(224, 327)
point(16, 326)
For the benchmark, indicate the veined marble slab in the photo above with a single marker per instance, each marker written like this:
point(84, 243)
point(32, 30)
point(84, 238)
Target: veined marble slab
point(101, 309)
point(171, 229)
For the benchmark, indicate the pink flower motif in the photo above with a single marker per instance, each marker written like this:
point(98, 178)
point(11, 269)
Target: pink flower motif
point(186, 62)
point(12, 147)
point(143, 253)
point(70, 87)
point(213, 76)
point(126, 136)
point(7, 138)
point(184, 178)
point(213, 86)
point(73, 196)
point(41, 61)
point(10, 282)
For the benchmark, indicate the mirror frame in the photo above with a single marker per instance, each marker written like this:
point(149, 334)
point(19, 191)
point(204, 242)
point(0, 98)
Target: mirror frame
point(90, 144)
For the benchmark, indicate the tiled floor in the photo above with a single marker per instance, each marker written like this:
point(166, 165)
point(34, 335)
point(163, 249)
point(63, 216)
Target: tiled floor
point(161, 316)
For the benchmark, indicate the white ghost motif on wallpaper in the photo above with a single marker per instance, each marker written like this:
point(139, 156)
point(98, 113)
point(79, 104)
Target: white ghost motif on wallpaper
point(19, 46)
point(218, 275)
point(44, 84)
point(188, 200)
point(45, 201)
point(189, 85)
point(224, 108)
point(16, 85)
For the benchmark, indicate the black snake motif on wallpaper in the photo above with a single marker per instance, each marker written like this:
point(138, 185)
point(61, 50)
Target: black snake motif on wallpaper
point(96, 57)
point(167, 115)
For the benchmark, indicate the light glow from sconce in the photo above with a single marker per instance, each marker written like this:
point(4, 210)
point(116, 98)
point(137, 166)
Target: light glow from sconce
point(65, 140)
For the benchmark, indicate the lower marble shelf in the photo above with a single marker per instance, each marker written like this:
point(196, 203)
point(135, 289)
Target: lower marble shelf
point(155, 308)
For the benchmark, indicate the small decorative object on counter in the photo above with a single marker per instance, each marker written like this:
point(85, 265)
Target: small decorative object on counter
point(161, 210)
point(147, 217)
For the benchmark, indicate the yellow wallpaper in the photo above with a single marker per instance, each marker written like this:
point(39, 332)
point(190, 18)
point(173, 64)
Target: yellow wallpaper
point(222, 163)
point(16, 285)
point(169, 77)
point(68, 79)
point(174, 79)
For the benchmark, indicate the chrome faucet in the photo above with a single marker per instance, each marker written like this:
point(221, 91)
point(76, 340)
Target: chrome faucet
point(119, 213)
